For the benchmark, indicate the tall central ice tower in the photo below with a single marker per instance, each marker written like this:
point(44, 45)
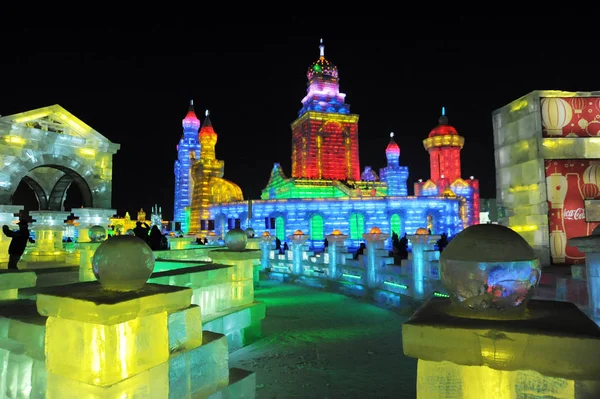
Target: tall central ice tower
point(187, 149)
point(325, 135)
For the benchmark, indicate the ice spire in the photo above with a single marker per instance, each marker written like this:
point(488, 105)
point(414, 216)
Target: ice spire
point(321, 49)
point(443, 119)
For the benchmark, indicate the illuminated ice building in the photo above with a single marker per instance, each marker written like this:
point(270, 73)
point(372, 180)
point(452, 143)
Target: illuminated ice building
point(327, 190)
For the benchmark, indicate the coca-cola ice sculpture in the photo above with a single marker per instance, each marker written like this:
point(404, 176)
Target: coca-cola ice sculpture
point(489, 268)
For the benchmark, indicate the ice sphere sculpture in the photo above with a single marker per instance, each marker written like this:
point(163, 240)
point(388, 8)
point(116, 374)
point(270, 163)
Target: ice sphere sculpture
point(97, 233)
point(123, 263)
point(236, 239)
point(489, 267)
point(250, 233)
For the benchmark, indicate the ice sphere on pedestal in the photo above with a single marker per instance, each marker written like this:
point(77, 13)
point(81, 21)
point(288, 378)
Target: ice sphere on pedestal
point(123, 263)
point(97, 233)
point(236, 239)
point(489, 266)
point(250, 233)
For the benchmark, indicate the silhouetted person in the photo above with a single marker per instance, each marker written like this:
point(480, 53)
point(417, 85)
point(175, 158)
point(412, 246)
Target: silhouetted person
point(360, 250)
point(155, 238)
point(18, 243)
point(284, 248)
point(277, 244)
point(442, 242)
point(325, 243)
point(141, 230)
point(199, 241)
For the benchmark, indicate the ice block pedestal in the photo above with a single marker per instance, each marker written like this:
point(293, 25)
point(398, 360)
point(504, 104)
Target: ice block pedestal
point(180, 242)
point(336, 243)
point(48, 228)
point(488, 339)
point(375, 251)
point(421, 241)
point(590, 246)
point(241, 274)
point(88, 217)
point(7, 217)
point(298, 240)
point(12, 281)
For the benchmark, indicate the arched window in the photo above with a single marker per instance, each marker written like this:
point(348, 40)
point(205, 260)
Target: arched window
point(357, 226)
point(280, 228)
point(396, 224)
point(316, 228)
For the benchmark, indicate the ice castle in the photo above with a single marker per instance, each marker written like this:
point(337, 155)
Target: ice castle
point(327, 190)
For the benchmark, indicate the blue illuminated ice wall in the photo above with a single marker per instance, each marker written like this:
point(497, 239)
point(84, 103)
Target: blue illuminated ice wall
point(188, 148)
point(353, 216)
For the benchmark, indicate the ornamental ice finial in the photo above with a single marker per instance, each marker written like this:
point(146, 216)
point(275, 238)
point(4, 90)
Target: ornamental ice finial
point(392, 135)
point(443, 111)
point(192, 102)
point(206, 112)
point(321, 48)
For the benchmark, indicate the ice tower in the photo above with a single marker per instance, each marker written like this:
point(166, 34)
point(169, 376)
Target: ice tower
point(187, 150)
point(393, 174)
point(325, 135)
point(444, 145)
point(209, 185)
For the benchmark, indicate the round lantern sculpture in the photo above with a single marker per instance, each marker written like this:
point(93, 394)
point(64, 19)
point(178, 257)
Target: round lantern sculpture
point(236, 239)
point(123, 263)
point(97, 234)
point(489, 269)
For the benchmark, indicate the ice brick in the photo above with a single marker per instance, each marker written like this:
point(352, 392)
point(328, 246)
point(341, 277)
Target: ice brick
point(201, 371)
point(185, 329)
point(214, 298)
point(88, 302)
point(242, 293)
point(103, 355)
point(150, 384)
point(555, 339)
point(15, 280)
point(242, 385)
point(452, 381)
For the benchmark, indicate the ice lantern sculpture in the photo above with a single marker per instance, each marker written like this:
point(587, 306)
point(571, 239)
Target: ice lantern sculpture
point(489, 270)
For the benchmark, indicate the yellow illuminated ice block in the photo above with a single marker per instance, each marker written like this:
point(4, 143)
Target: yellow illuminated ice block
point(242, 261)
point(100, 337)
point(12, 281)
point(185, 329)
point(553, 351)
point(152, 383)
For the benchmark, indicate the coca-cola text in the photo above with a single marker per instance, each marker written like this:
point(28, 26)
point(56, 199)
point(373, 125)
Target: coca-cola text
point(574, 214)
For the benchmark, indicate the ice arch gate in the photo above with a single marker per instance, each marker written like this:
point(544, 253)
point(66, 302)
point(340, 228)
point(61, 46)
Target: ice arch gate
point(50, 149)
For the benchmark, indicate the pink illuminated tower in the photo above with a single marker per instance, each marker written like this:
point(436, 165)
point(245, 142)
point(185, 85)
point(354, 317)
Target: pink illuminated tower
point(444, 145)
point(325, 135)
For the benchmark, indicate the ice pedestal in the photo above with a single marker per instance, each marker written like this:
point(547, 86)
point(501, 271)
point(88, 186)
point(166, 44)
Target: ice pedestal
point(265, 246)
point(551, 352)
point(7, 217)
point(48, 228)
point(336, 242)
point(86, 253)
point(298, 240)
point(88, 217)
point(242, 274)
point(420, 244)
point(590, 245)
point(375, 239)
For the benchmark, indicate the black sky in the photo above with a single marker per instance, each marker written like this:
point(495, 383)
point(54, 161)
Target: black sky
point(134, 87)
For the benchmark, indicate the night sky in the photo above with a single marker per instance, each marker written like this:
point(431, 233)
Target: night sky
point(134, 87)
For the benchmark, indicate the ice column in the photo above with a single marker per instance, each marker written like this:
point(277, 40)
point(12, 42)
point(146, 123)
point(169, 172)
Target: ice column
point(298, 239)
point(336, 241)
point(420, 241)
point(88, 217)
point(48, 227)
point(265, 247)
point(375, 239)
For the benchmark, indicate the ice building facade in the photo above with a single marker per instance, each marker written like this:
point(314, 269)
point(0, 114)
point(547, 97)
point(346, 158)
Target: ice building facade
point(547, 154)
point(327, 191)
point(49, 149)
point(188, 147)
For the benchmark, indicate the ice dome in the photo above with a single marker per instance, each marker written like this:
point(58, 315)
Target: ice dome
point(443, 128)
point(489, 268)
point(322, 67)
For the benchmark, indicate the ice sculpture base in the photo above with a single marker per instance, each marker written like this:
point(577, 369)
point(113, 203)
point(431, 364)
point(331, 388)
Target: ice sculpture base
point(555, 347)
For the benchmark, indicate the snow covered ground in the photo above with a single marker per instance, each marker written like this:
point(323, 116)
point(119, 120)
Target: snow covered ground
point(319, 344)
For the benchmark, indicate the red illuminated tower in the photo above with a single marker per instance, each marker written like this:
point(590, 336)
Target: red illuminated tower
point(444, 145)
point(325, 135)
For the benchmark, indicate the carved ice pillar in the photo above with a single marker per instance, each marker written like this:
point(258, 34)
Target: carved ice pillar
point(7, 217)
point(336, 241)
point(375, 239)
point(298, 239)
point(420, 241)
point(265, 247)
point(88, 217)
point(48, 228)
